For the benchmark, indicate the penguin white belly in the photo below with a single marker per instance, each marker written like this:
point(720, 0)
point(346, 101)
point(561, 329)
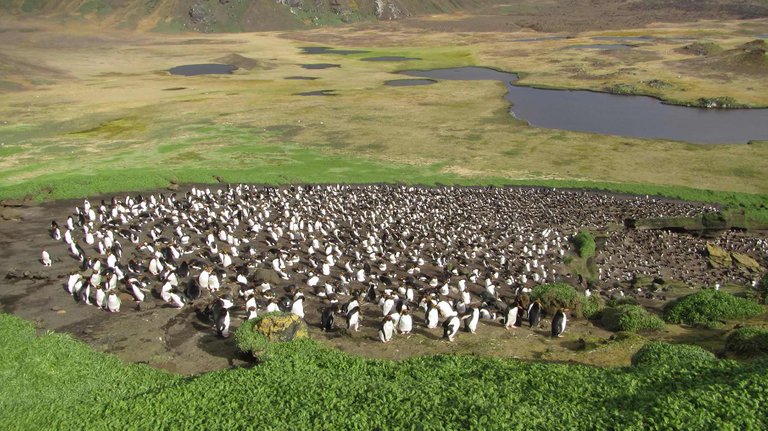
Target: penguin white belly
point(432, 317)
point(298, 308)
point(113, 303)
point(406, 324)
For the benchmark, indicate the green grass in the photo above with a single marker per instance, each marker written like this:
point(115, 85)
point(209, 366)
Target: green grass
point(54, 382)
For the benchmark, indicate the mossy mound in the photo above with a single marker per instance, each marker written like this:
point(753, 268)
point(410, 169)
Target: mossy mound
point(631, 318)
point(710, 306)
point(561, 295)
point(658, 354)
point(255, 335)
point(748, 341)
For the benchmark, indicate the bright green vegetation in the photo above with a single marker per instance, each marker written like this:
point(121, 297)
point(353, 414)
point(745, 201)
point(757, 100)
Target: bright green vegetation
point(54, 382)
point(659, 354)
point(585, 244)
point(710, 306)
point(748, 341)
point(630, 318)
point(561, 295)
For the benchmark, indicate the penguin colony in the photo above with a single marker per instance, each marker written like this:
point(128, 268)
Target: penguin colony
point(443, 256)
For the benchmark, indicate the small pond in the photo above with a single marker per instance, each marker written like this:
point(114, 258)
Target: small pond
point(317, 93)
point(329, 50)
point(302, 78)
point(409, 82)
point(635, 116)
point(202, 69)
point(389, 58)
point(316, 66)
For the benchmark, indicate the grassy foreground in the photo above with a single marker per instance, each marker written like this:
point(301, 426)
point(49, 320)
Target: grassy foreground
point(53, 382)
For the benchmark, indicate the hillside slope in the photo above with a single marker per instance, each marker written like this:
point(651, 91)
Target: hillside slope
point(230, 15)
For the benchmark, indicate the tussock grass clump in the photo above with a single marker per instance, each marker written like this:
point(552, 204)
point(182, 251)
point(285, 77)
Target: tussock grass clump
point(659, 354)
point(585, 244)
point(709, 306)
point(630, 318)
point(561, 295)
point(749, 341)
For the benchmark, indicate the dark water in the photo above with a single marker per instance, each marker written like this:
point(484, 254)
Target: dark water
point(600, 46)
point(608, 114)
point(202, 69)
point(409, 82)
point(329, 50)
point(389, 58)
point(302, 78)
point(317, 93)
point(315, 66)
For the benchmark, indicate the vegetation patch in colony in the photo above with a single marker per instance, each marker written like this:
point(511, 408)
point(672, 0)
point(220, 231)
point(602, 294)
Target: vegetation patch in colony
point(710, 306)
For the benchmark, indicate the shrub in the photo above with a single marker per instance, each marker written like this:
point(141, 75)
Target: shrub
point(748, 341)
point(660, 354)
point(708, 306)
point(561, 295)
point(593, 306)
point(630, 318)
point(585, 244)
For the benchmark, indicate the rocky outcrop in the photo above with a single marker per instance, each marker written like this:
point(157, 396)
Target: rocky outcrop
point(282, 327)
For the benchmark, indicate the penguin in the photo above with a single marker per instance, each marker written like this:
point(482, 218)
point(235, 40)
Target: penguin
point(353, 315)
point(558, 323)
point(534, 313)
point(326, 319)
point(471, 319)
point(451, 327)
point(297, 307)
point(431, 316)
point(386, 329)
point(221, 318)
point(113, 302)
point(511, 316)
point(101, 297)
point(405, 324)
point(193, 290)
point(45, 258)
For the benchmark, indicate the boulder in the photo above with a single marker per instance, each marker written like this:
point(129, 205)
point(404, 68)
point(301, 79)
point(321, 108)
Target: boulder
point(718, 258)
point(282, 327)
point(741, 260)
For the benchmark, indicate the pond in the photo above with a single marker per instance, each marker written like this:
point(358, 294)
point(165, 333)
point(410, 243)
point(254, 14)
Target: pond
point(317, 66)
point(317, 93)
point(409, 82)
point(202, 69)
point(329, 50)
point(608, 114)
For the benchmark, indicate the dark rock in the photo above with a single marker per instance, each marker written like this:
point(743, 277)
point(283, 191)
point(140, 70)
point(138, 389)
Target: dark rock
point(12, 275)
